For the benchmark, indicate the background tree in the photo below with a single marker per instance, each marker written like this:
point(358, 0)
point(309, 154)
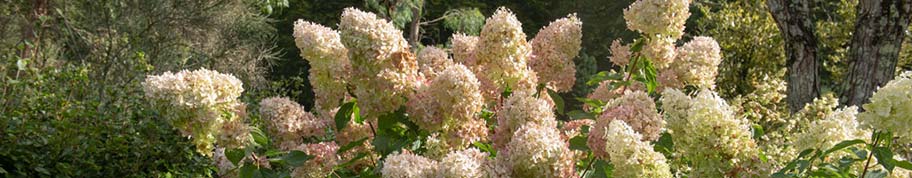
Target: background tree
point(797, 28)
point(876, 43)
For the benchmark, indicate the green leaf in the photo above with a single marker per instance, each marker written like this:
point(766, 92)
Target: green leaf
point(579, 143)
point(351, 145)
point(884, 157)
point(356, 113)
point(386, 144)
point(579, 114)
point(343, 116)
point(249, 171)
point(259, 137)
point(352, 161)
point(296, 158)
point(665, 144)
point(844, 144)
point(486, 148)
point(648, 72)
point(558, 101)
point(235, 155)
point(763, 156)
point(637, 45)
point(597, 78)
point(758, 131)
point(903, 164)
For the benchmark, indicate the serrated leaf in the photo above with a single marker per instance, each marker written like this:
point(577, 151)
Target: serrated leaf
point(296, 158)
point(259, 137)
point(558, 101)
point(343, 116)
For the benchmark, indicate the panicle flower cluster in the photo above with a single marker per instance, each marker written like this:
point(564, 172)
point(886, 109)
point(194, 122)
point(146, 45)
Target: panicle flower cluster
point(433, 60)
point(450, 99)
point(322, 163)
point(710, 135)
point(234, 134)
point(503, 50)
point(198, 103)
point(574, 128)
point(329, 64)
point(620, 54)
point(553, 50)
point(891, 108)
point(535, 151)
point(630, 155)
point(661, 51)
point(634, 107)
point(464, 49)
point(193, 89)
point(381, 61)
point(468, 163)
point(698, 62)
point(519, 109)
point(663, 18)
point(289, 123)
point(408, 165)
point(838, 126)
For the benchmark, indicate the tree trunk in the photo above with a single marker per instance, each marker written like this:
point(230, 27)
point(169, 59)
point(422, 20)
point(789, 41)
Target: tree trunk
point(415, 28)
point(794, 21)
point(878, 36)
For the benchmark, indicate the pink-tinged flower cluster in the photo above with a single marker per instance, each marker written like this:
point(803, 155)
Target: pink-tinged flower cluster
point(620, 54)
point(553, 50)
point(464, 49)
point(535, 151)
point(450, 99)
point(322, 163)
point(661, 51)
point(408, 165)
point(634, 107)
point(289, 123)
point(697, 62)
point(380, 60)
point(433, 60)
point(519, 109)
point(329, 63)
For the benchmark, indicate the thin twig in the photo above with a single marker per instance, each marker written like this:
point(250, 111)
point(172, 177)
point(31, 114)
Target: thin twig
point(871, 154)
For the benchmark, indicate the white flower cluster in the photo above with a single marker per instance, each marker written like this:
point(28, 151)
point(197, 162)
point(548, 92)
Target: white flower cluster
point(503, 51)
point(634, 107)
point(535, 151)
point(631, 156)
point(322, 163)
point(708, 133)
point(553, 50)
point(432, 60)
point(697, 62)
point(329, 64)
point(408, 165)
point(664, 18)
point(289, 123)
point(838, 126)
point(380, 60)
point(891, 108)
point(202, 105)
point(519, 109)
point(468, 163)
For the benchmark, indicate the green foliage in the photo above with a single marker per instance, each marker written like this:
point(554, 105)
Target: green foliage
point(465, 20)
